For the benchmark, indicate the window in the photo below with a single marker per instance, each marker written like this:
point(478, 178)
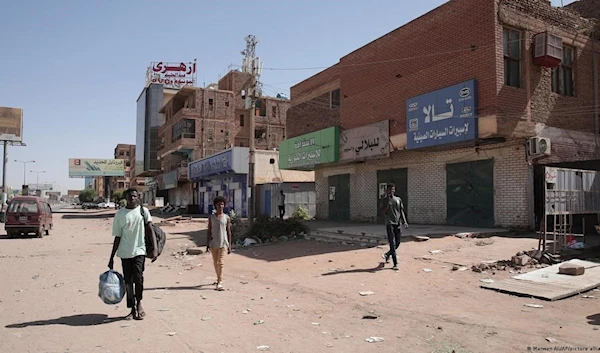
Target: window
point(512, 57)
point(260, 133)
point(241, 144)
point(562, 76)
point(335, 98)
point(210, 104)
point(210, 135)
point(227, 103)
point(23, 206)
point(185, 128)
point(274, 111)
point(241, 119)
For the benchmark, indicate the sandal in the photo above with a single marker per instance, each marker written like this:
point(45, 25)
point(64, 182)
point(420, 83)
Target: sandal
point(219, 287)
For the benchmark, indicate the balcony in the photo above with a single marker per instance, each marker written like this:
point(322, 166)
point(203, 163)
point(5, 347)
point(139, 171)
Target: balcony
point(184, 145)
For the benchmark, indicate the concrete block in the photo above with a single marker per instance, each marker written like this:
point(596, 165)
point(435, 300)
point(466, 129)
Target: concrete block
point(571, 269)
point(520, 260)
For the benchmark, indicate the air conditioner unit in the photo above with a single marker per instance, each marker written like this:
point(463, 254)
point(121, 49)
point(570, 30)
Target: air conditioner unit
point(538, 146)
point(548, 49)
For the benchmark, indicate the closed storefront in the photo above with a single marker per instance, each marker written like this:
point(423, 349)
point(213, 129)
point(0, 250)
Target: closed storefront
point(339, 197)
point(222, 174)
point(470, 193)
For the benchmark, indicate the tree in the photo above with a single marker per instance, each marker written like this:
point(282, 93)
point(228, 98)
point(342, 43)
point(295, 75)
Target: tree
point(118, 196)
point(88, 195)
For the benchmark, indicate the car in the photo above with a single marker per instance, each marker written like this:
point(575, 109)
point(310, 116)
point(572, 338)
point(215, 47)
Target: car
point(106, 205)
point(28, 214)
point(89, 206)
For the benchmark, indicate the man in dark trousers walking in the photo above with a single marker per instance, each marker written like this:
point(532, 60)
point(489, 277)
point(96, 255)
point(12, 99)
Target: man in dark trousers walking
point(393, 212)
point(130, 245)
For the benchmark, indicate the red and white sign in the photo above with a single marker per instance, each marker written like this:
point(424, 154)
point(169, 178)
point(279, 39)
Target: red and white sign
point(172, 75)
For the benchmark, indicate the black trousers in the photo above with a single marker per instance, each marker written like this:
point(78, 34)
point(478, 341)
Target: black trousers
point(133, 273)
point(281, 211)
point(394, 232)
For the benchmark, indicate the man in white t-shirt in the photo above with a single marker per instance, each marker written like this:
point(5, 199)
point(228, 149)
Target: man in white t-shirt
point(130, 245)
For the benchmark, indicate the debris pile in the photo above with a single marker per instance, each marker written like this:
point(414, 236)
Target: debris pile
point(179, 219)
point(523, 259)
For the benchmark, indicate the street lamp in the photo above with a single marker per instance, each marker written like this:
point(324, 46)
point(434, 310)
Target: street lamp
point(24, 170)
point(38, 177)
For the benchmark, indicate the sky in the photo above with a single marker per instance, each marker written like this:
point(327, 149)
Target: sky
point(76, 68)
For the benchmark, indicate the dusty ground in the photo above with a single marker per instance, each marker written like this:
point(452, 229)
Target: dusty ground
point(306, 293)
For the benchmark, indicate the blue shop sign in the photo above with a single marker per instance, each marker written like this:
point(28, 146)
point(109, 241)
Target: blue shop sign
point(217, 164)
point(448, 115)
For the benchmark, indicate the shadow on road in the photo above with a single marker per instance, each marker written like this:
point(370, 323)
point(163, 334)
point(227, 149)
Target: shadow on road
point(379, 267)
point(198, 237)
point(198, 287)
point(594, 319)
point(74, 320)
point(88, 215)
point(293, 249)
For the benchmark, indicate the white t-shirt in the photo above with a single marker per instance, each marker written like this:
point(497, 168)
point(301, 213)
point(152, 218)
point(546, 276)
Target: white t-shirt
point(128, 224)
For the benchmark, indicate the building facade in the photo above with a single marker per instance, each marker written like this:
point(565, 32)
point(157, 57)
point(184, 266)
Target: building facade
point(148, 121)
point(126, 152)
point(446, 108)
point(226, 174)
point(201, 122)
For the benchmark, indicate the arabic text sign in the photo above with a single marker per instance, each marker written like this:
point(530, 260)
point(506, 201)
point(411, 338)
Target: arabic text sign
point(86, 167)
point(306, 151)
point(11, 124)
point(216, 164)
point(172, 75)
point(444, 116)
point(366, 141)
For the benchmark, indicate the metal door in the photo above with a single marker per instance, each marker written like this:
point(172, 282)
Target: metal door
point(400, 178)
point(237, 201)
point(470, 193)
point(268, 203)
point(339, 197)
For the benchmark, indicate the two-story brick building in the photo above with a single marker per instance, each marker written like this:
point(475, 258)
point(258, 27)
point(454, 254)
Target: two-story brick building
point(201, 122)
point(445, 107)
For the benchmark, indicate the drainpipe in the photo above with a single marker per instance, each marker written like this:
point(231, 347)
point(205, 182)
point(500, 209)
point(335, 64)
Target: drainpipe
point(595, 78)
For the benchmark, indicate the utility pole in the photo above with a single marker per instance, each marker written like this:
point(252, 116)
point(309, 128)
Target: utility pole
point(253, 66)
point(38, 177)
point(24, 170)
point(4, 162)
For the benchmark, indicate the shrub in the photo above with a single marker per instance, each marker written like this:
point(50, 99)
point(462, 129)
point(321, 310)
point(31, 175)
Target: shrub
point(267, 228)
point(301, 213)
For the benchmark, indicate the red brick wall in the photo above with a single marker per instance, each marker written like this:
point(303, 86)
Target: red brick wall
point(427, 54)
point(565, 112)
point(446, 46)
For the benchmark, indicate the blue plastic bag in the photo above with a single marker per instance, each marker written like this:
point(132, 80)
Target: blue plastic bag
point(111, 288)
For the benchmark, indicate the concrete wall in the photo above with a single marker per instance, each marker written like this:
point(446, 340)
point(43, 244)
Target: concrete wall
point(513, 184)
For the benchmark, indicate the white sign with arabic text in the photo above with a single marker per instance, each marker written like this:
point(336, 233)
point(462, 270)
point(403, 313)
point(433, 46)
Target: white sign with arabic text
point(370, 141)
point(172, 75)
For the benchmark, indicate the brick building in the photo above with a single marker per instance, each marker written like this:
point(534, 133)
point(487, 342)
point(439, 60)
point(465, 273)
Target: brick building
point(444, 107)
point(200, 122)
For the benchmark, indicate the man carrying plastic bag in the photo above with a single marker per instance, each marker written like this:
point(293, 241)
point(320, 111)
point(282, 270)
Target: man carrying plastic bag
point(130, 246)
point(111, 288)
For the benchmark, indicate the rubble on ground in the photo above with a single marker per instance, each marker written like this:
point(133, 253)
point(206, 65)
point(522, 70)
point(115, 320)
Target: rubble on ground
point(171, 221)
point(521, 260)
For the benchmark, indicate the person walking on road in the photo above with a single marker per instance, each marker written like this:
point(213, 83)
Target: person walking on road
point(219, 238)
point(130, 245)
point(393, 210)
point(281, 204)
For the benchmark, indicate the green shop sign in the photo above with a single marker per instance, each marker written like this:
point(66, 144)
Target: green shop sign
point(304, 152)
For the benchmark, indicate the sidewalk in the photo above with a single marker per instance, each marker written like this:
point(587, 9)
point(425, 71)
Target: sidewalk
point(376, 233)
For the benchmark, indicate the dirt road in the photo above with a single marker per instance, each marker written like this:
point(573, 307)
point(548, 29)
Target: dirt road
point(305, 293)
